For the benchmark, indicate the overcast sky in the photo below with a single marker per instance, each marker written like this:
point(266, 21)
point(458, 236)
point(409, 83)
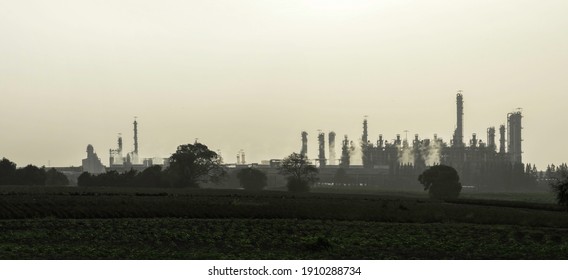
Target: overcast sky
point(252, 75)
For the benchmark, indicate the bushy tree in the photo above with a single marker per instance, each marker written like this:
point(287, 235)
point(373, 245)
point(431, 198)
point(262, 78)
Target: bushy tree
point(55, 178)
point(31, 175)
point(111, 178)
point(252, 179)
point(301, 174)
point(86, 179)
point(151, 177)
point(560, 188)
point(193, 164)
point(441, 181)
point(7, 172)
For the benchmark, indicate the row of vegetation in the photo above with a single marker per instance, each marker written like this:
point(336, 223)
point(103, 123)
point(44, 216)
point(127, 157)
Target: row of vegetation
point(30, 175)
point(195, 164)
point(273, 239)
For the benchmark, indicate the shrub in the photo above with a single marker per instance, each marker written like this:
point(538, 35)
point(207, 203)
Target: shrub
point(252, 179)
point(441, 181)
point(560, 188)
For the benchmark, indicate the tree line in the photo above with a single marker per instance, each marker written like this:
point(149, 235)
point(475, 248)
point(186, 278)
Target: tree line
point(30, 175)
point(195, 164)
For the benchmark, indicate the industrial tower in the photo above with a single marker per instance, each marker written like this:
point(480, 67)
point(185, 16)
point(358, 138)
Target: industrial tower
point(514, 141)
point(458, 133)
point(321, 157)
point(304, 150)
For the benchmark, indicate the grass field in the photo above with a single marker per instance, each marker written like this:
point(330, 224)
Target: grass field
point(105, 223)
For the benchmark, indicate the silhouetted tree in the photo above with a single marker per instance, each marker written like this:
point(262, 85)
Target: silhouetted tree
point(151, 177)
point(30, 175)
point(301, 174)
point(193, 164)
point(7, 172)
point(55, 178)
point(441, 182)
point(560, 188)
point(252, 179)
point(85, 180)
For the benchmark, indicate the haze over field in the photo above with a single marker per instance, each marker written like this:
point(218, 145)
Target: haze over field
point(252, 75)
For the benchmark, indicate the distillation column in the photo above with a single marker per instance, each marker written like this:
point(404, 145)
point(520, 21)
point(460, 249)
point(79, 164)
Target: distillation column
point(304, 150)
point(458, 134)
point(514, 141)
point(321, 140)
point(502, 139)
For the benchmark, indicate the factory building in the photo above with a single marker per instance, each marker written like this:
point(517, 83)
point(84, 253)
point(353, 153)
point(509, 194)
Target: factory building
point(92, 163)
point(478, 162)
point(119, 162)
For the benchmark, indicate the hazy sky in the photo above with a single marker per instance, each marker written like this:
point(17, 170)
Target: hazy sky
point(252, 75)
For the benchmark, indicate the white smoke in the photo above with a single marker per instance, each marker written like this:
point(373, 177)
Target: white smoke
point(355, 154)
point(432, 153)
point(429, 151)
point(405, 155)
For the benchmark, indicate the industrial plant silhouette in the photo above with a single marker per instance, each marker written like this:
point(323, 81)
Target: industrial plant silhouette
point(397, 163)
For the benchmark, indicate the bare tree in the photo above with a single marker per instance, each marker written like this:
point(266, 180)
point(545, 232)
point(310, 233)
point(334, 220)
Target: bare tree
point(300, 172)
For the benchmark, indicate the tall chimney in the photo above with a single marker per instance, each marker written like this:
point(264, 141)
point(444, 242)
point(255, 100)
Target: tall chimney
point(458, 134)
point(304, 150)
point(321, 140)
point(365, 138)
point(135, 136)
point(514, 141)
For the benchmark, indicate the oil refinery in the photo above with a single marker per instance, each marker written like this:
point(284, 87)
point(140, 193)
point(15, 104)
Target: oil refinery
point(397, 162)
point(478, 162)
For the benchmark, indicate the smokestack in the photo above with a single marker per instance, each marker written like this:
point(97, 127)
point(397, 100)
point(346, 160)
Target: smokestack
point(135, 136)
point(491, 139)
point(321, 140)
point(331, 137)
point(514, 141)
point(304, 150)
point(502, 139)
point(458, 134)
point(365, 137)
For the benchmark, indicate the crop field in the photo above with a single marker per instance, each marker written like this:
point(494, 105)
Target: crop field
point(111, 223)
